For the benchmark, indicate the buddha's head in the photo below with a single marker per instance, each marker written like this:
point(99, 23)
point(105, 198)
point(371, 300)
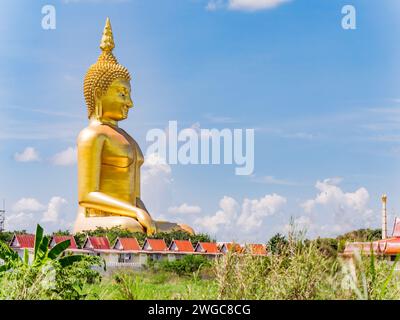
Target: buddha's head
point(107, 86)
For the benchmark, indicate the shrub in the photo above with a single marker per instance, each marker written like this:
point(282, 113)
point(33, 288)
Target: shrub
point(187, 265)
point(49, 281)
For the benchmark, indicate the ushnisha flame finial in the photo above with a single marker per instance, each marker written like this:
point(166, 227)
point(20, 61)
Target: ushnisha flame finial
point(107, 41)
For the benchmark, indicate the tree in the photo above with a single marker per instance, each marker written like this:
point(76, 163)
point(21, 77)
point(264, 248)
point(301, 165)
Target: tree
point(6, 236)
point(276, 244)
point(62, 233)
point(362, 235)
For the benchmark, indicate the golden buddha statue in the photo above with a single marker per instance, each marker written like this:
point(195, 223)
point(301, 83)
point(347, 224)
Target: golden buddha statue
point(109, 159)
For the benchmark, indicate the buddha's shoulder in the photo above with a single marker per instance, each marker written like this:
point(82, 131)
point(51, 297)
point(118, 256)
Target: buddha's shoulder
point(94, 132)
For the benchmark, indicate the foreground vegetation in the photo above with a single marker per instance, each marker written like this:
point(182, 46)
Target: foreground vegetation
point(296, 268)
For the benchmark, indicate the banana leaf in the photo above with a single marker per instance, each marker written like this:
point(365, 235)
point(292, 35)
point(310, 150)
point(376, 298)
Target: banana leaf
point(58, 249)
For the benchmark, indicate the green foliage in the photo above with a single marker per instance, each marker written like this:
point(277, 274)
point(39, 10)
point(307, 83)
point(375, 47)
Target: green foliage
point(362, 235)
point(62, 233)
point(180, 235)
point(49, 281)
point(6, 236)
point(186, 265)
point(277, 243)
point(113, 233)
point(72, 280)
point(51, 274)
point(43, 255)
point(9, 256)
point(327, 246)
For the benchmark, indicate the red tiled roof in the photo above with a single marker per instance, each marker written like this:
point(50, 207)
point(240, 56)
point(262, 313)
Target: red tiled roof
point(257, 249)
point(390, 246)
point(99, 243)
point(396, 228)
point(208, 247)
point(24, 241)
point(233, 247)
point(182, 246)
point(58, 239)
point(156, 244)
point(128, 244)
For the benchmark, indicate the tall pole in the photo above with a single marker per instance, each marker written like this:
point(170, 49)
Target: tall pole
point(384, 217)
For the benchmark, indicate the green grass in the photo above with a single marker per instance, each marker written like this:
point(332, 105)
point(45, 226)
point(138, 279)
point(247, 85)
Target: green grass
point(147, 285)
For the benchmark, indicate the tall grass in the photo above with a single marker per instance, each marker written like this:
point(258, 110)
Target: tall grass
point(300, 271)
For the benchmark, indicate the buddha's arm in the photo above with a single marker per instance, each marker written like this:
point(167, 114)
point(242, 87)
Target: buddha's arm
point(139, 201)
point(90, 145)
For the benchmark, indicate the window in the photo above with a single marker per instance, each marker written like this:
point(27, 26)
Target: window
point(125, 257)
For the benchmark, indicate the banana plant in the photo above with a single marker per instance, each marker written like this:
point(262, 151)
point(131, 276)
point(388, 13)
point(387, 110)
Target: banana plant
point(42, 253)
point(10, 257)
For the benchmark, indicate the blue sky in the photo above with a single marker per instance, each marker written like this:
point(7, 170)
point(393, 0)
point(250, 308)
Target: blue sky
point(324, 103)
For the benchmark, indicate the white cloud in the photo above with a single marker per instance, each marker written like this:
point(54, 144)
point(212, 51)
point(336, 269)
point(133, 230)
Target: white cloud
point(244, 5)
point(67, 157)
point(156, 185)
point(254, 211)
point(28, 204)
point(184, 209)
point(53, 209)
point(225, 216)
point(233, 220)
point(28, 155)
point(332, 195)
point(155, 166)
point(334, 211)
point(215, 4)
point(20, 221)
point(27, 212)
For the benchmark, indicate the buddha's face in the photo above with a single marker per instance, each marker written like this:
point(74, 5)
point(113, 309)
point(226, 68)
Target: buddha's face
point(117, 101)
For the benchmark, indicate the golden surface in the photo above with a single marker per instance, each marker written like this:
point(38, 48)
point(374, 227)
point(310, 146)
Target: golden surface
point(109, 159)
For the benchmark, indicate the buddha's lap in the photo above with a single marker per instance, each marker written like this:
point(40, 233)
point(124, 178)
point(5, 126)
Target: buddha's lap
point(84, 222)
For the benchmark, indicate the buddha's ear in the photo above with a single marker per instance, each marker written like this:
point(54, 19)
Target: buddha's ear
point(98, 104)
point(97, 93)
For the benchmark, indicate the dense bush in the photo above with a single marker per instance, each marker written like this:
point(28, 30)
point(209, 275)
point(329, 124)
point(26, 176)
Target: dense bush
point(49, 281)
point(187, 265)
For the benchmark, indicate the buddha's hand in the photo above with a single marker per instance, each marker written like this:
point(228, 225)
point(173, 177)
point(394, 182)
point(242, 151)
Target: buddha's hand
point(146, 221)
